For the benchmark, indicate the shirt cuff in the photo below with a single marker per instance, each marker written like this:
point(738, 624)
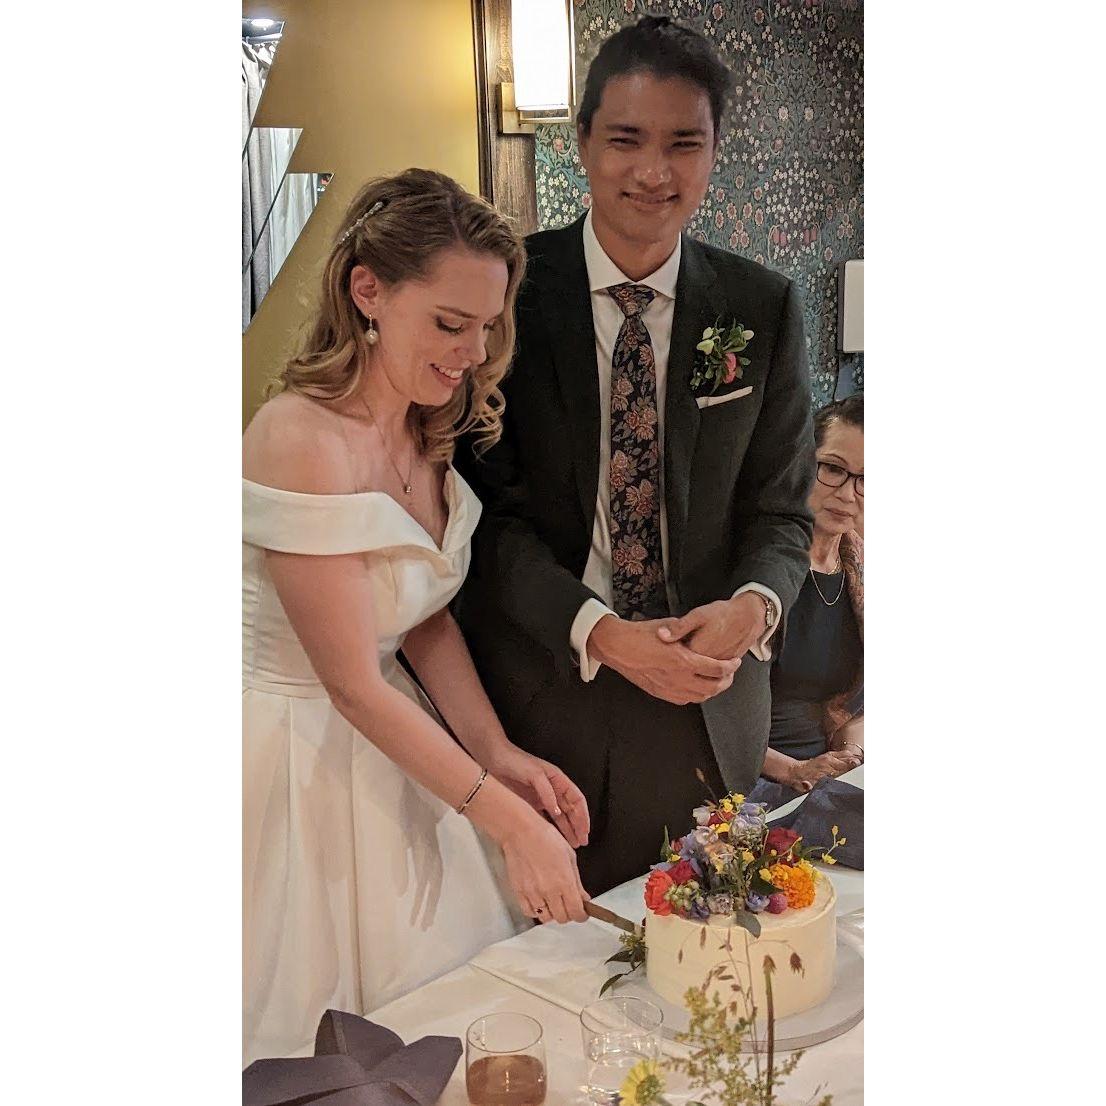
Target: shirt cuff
point(761, 650)
point(582, 625)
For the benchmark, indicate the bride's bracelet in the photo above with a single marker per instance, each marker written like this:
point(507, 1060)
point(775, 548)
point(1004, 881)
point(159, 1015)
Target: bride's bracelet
point(472, 794)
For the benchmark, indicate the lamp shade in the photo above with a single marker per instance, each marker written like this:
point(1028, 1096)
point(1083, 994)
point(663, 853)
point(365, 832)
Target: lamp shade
point(541, 45)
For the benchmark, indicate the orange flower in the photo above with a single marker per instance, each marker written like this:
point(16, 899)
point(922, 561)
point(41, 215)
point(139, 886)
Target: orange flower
point(797, 883)
point(655, 887)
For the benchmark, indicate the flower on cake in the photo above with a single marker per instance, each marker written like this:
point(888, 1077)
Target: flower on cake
point(796, 882)
point(656, 888)
point(732, 864)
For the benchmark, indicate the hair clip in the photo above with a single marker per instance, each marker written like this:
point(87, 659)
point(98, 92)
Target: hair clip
point(378, 206)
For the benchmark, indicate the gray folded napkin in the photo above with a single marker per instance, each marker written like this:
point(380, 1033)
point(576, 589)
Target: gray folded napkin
point(356, 1063)
point(829, 803)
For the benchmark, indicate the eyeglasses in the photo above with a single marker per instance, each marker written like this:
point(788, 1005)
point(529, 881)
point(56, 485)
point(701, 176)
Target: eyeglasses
point(833, 476)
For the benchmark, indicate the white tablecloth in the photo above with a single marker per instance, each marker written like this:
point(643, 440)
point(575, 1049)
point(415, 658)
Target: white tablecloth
point(550, 971)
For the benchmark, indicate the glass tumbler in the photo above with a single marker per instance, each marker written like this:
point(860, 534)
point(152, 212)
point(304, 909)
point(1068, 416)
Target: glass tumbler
point(505, 1061)
point(618, 1033)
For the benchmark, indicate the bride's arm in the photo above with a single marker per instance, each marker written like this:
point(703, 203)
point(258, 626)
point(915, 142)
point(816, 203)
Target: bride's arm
point(329, 602)
point(441, 659)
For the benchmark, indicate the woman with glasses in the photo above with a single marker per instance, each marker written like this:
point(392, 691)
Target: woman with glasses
point(818, 674)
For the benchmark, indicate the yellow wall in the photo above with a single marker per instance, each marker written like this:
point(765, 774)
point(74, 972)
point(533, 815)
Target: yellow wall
point(378, 86)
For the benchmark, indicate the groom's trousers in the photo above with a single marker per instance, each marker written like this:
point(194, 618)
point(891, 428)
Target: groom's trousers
point(634, 757)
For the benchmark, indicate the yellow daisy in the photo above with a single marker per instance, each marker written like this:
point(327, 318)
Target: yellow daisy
point(643, 1084)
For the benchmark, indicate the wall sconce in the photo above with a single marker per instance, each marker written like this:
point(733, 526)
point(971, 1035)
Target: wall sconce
point(543, 53)
point(850, 299)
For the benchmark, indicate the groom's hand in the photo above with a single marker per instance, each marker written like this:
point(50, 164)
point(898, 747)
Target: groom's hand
point(670, 671)
point(727, 629)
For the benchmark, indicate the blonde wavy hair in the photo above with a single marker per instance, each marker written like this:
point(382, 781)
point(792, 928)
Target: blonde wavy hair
point(397, 226)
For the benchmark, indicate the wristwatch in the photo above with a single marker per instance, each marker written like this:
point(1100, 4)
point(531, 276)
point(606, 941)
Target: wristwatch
point(769, 611)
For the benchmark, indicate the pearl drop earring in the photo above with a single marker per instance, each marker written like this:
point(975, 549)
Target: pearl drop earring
point(372, 335)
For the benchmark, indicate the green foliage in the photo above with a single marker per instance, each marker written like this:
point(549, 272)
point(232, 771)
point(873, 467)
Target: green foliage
point(631, 953)
point(717, 1067)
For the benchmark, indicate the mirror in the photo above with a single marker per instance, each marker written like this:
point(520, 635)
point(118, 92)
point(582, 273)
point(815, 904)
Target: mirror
point(276, 204)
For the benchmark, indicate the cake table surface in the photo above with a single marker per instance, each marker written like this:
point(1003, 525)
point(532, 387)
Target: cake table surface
point(550, 972)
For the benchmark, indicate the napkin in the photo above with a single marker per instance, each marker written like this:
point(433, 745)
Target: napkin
point(356, 1063)
point(830, 803)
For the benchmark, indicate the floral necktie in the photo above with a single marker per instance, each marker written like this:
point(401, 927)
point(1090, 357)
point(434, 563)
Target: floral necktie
point(636, 563)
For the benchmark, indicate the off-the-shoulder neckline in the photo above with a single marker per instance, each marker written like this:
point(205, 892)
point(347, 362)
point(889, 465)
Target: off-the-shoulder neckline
point(459, 485)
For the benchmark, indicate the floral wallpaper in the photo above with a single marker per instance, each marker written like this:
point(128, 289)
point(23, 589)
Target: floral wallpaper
point(788, 188)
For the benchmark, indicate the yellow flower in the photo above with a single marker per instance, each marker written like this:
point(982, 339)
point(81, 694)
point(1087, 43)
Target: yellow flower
point(747, 857)
point(829, 860)
point(765, 875)
point(642, 1085)
point(795, 881)
point(737, 798)
point(722, 827)
point(726, 805)
point(808, 868)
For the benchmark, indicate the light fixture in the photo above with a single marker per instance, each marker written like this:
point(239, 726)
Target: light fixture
point(543, 56)
point(262, 24)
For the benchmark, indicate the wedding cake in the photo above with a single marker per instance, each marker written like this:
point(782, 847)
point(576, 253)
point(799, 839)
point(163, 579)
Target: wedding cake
point(731, 900)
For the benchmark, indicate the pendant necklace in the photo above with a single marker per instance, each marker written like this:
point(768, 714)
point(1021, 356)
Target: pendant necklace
point(405, 483)
point(840, 590)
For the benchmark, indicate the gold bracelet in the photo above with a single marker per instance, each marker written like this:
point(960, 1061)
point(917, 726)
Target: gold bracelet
point(472, 794)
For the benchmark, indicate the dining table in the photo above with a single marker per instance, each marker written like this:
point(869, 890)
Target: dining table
point(551, 971)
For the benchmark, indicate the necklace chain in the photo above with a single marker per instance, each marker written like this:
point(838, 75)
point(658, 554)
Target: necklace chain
point(840, 590)
point(405, 483)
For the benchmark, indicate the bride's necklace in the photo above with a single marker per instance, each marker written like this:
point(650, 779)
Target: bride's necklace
point(404, 481)
point(827, 602)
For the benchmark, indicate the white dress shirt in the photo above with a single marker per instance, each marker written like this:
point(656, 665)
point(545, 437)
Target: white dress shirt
point(608, 319)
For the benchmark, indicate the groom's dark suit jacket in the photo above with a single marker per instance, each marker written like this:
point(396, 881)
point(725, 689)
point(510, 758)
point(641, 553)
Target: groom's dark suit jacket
point(736, 479)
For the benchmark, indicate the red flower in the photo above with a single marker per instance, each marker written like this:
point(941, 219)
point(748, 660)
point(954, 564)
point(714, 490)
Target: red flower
point(781, 840)
point(655, 887)
point(681, 872)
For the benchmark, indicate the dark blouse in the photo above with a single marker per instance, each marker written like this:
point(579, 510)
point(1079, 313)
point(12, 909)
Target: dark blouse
point(819, 659)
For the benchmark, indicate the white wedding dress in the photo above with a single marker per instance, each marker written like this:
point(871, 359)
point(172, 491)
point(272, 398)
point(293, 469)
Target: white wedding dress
point(358, 884)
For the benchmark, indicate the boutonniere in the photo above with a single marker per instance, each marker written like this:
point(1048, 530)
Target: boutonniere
point(721, 361)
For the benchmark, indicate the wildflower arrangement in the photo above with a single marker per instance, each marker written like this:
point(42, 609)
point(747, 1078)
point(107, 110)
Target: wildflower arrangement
point(732, 865)
point(721, 361)
point(717, 1063)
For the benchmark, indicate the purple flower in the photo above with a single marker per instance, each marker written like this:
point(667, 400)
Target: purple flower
point(690, 852)
point(699, 909)
point(756, 903)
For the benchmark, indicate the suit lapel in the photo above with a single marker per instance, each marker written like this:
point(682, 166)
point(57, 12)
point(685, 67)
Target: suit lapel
point(698, 305)
point(565, 302)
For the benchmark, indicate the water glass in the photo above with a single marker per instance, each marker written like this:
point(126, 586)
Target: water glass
point(505, 1061)
point(618, 1033)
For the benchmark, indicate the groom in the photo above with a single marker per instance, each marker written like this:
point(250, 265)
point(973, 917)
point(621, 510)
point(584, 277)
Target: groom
point(627, 489)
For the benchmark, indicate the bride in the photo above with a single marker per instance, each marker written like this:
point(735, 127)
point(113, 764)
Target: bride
point(363, 873)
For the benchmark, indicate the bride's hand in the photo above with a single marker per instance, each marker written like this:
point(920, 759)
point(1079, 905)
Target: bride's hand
point(541, 868)
point(546, 788)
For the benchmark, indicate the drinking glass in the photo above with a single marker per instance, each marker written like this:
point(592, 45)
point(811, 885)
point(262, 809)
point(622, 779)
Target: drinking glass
point(618, 1032)
point(505, 1061)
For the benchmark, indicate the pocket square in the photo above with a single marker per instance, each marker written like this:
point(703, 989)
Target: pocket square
point(713, 401)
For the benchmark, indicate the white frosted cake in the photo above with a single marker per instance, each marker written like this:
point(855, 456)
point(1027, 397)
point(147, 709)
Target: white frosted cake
point(730, 893)
point(678, 959)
